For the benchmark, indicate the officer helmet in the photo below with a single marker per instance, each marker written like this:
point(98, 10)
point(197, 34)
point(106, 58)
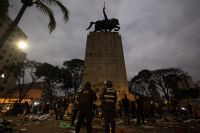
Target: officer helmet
point(109, 83)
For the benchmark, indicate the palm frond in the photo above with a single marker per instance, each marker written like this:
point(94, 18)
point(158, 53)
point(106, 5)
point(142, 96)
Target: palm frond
point(47, 11)
point(59, 4)
point(4, 7)
point(49, 2)
point(64, 10)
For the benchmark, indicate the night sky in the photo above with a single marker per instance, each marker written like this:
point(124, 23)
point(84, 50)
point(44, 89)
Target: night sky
point(155, 33)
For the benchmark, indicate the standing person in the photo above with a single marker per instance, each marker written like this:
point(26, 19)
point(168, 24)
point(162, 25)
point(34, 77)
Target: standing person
point(64, 106)
point(119, 111)
point(26, 108)
point(140, 109)
point(85, 99)
point(125, 103)
point(152, 110)
point(132, 108)
point(16, 108)
point(109, 98)
point(74, 112)
point(59, 109)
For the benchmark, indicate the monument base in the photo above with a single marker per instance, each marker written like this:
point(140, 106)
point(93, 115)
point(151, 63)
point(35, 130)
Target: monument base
point(104, 60)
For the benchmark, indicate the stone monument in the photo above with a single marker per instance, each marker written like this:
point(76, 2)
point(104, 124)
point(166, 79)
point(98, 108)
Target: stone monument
point(104, 58)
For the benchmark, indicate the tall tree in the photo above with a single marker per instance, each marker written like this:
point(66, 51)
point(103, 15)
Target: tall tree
point(138, 85)
point(20, 71)
point(149, 83)
point(43, 6)
point(166, 80)
point(65, 79)
point(49, 74)
point(75, 67)
point(141, 82)
point(30, 70)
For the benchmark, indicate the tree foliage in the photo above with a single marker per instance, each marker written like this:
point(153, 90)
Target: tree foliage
point(44, 7)
point(150, 83)
point(20, 71)
point(49, 74)
point(75, 67)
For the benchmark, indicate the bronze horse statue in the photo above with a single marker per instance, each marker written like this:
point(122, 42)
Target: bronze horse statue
point(105, 25)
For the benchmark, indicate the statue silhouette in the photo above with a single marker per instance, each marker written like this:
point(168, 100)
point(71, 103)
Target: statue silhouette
point(104, 13)
point(106, 25)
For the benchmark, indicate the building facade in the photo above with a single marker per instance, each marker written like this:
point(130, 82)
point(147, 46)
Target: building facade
point(28, 93)
point(10, 54)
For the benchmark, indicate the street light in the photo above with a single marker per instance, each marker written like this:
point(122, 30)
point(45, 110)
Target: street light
point(2, 75)
point(22, 44)
point(2, 79)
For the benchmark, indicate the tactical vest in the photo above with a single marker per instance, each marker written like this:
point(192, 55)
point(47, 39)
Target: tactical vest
point(109, 96)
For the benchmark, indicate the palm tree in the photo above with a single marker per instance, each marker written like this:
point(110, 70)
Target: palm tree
point(4, 5)
point(42, 5)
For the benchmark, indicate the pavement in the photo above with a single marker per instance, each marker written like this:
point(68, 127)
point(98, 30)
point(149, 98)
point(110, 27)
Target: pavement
point(51, 125)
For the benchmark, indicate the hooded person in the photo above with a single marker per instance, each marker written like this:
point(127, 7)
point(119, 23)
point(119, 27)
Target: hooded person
point(85, 99)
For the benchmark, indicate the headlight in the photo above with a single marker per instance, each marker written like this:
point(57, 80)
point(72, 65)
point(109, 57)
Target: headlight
point(36, 103)
point(182, 108)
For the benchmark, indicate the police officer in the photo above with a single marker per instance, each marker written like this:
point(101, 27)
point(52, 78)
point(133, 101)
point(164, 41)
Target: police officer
point(109, 97)
point(85, 99)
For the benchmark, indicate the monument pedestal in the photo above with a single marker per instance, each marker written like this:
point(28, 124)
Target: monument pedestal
point(104, 60)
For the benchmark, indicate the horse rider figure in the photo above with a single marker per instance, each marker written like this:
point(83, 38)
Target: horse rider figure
point(106, 25)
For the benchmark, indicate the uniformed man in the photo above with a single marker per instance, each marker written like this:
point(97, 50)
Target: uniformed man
point(109, 98)
point(85, 100)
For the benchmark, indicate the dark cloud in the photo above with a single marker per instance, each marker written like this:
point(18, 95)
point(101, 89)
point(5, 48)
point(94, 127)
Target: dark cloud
point(155, 34)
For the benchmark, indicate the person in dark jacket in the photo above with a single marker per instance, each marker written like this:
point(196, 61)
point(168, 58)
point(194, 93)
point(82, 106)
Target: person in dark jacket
point(140, 109)
point(132, 108)
point(16, 108)
point(109, 98)
point(59, 109)
point(85, 99)
point(125, 103)
point(26, 108)
point(120, 106)
point(63, 107)
point(74, 112)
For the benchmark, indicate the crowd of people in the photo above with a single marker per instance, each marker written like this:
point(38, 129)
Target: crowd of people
point(140, 109)
point(84, 110)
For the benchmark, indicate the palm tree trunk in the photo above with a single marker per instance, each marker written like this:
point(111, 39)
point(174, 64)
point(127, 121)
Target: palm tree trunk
point(12, 27)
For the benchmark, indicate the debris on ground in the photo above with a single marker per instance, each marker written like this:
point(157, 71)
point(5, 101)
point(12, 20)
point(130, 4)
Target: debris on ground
point(64, 124)
point(147, 127)
point(6, 126)
point(98, 123)
point(32, 117)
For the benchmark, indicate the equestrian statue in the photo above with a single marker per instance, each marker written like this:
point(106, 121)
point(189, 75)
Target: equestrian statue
point(106, 25)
